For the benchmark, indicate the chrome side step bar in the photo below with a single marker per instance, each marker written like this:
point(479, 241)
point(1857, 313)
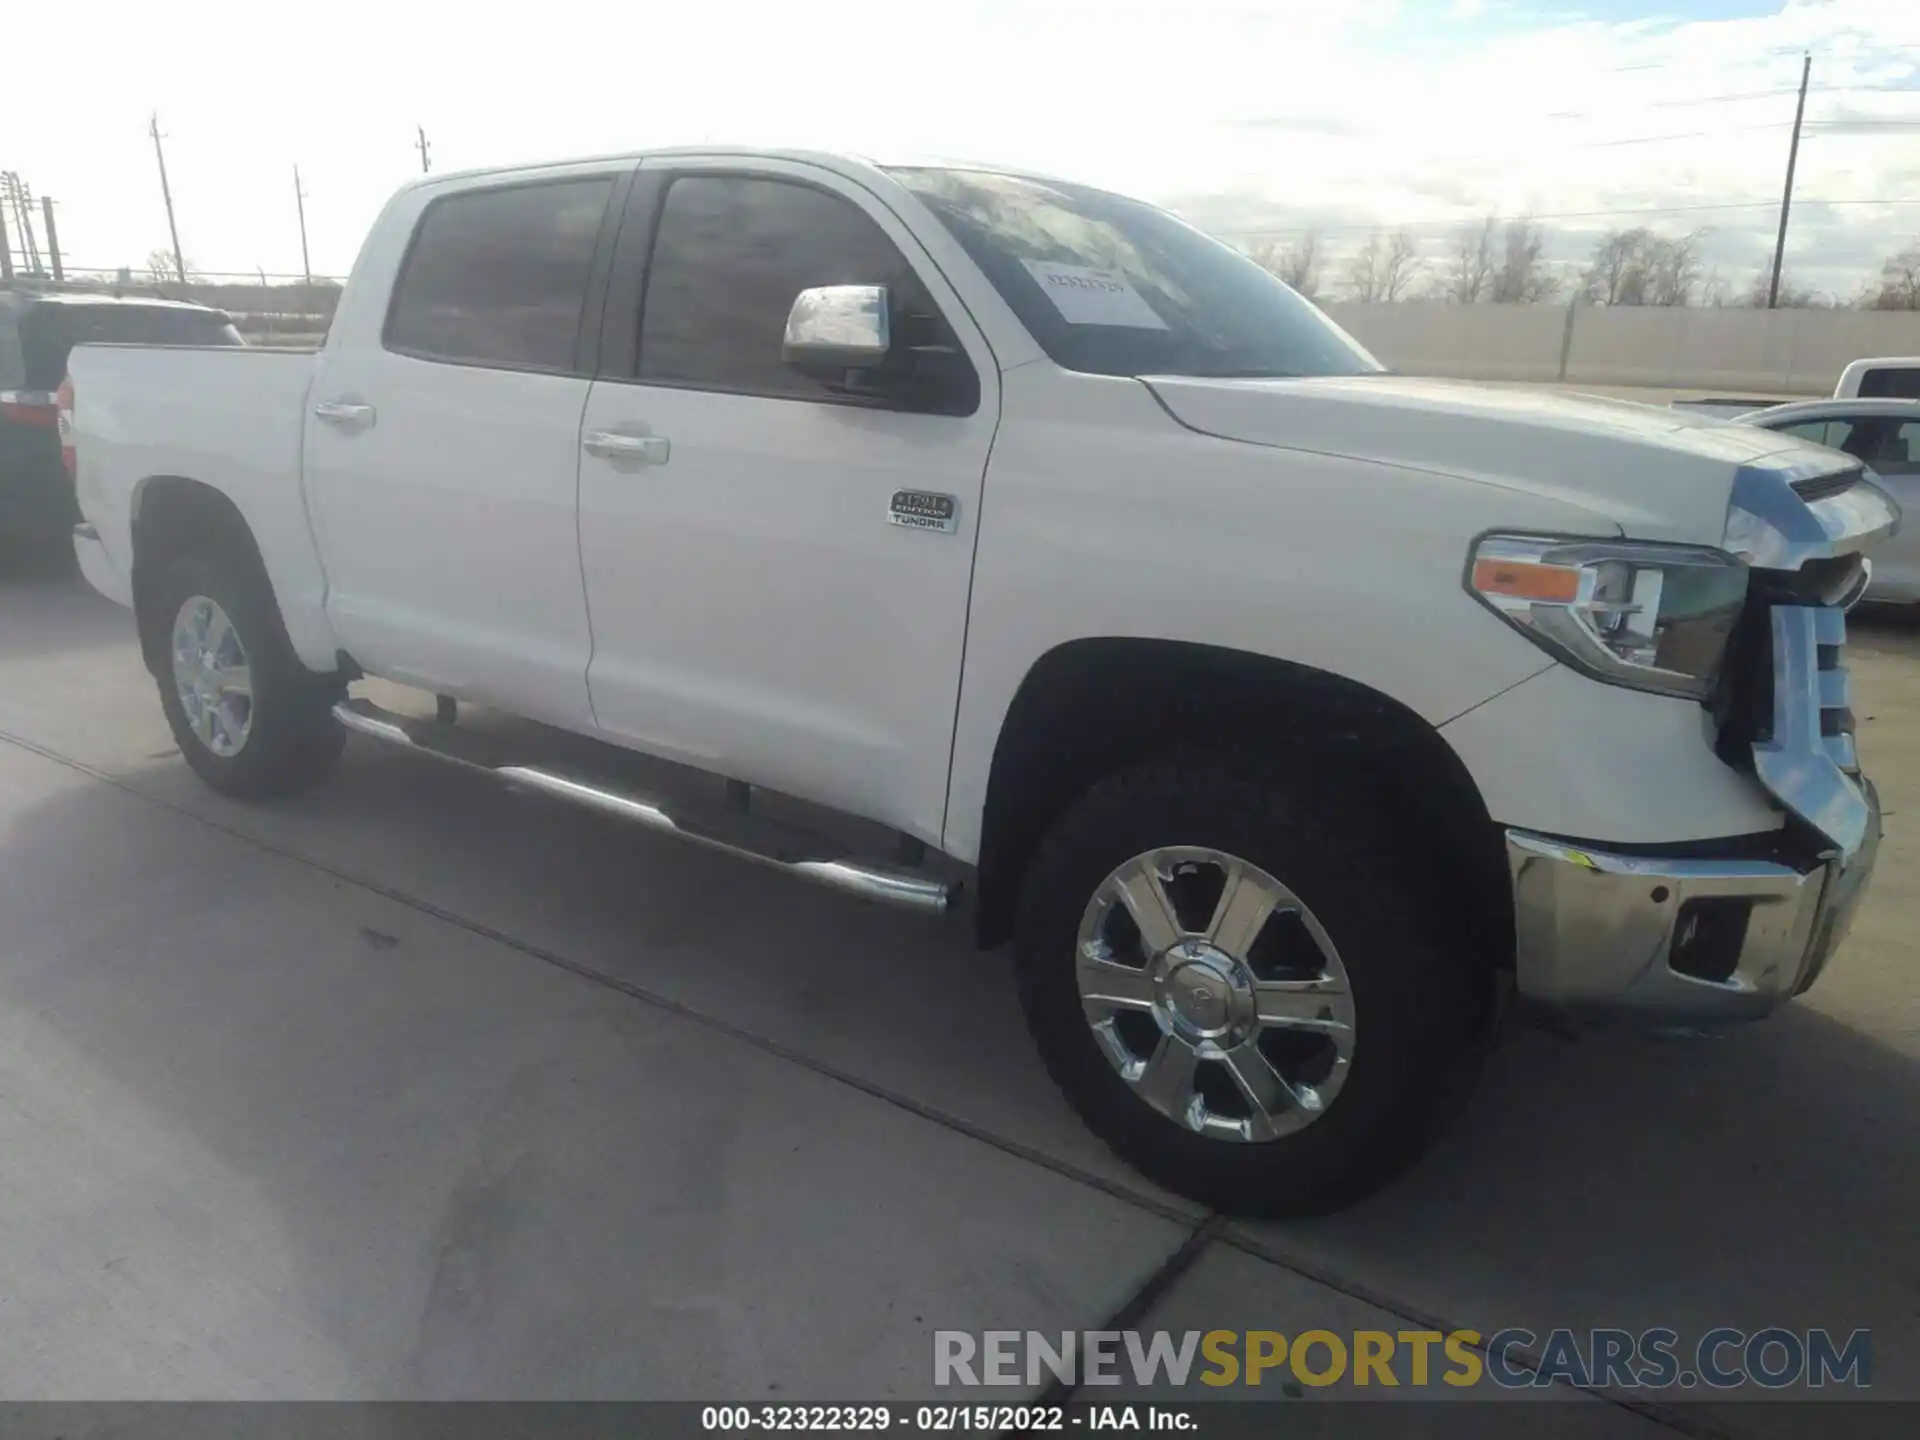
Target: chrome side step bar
point(810, 856)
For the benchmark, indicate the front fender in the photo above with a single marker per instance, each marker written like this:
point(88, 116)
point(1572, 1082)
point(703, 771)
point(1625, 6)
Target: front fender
point(1103, 517)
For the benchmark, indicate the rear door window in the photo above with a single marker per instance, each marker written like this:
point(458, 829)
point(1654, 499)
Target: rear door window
point(499, 277)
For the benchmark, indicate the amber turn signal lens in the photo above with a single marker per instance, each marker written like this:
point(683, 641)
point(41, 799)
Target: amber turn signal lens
point(1554, 584)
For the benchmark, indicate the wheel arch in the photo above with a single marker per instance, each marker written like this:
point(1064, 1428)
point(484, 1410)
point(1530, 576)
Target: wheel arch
point(1089, 706)
point(174, 515)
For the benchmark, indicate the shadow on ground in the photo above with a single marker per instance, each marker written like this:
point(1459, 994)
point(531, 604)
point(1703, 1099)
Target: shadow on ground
point(48, 610)
point(270, 1134)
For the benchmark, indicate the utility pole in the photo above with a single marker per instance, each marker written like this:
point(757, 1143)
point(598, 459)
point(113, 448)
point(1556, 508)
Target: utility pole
point(6, 248)
point(14, 192)
point(53, 240)
point(300, 199)
point(1786, 199)
point(166, 194)
point(422, 147)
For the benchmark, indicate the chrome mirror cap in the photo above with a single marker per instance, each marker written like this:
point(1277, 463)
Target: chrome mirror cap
point(838, 325)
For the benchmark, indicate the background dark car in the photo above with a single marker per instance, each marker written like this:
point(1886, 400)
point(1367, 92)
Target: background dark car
point(37, 329)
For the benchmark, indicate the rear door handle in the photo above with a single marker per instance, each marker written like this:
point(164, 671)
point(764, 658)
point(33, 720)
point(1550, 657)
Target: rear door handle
point(637, 449)
point(344, 416)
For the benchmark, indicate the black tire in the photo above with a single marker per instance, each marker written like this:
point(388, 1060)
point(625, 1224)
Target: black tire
point(1416, 997)
point(293, 741)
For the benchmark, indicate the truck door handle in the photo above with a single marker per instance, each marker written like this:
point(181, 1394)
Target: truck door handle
point(344, 416)
point(641, 449)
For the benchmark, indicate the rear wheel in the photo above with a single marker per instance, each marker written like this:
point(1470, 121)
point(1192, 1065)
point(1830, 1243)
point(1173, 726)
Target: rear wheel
point(1231, 980)
point(250, 719)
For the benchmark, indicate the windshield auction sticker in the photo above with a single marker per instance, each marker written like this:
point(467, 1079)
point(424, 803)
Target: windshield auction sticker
point(1086, 296)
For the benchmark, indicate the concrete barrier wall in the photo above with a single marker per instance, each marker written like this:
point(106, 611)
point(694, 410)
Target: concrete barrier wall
point(1789, 352)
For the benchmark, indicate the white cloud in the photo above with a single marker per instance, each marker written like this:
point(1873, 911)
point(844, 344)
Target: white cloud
point(1360, 111)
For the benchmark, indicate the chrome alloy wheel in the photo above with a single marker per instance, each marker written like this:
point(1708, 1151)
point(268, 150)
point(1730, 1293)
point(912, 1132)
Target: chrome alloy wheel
point(211, 676)
point(1215, 994)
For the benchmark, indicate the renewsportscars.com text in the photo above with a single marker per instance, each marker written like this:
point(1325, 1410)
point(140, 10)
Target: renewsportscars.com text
point(1725, 1358)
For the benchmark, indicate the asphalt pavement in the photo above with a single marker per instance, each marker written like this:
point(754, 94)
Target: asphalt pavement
point(418, 1088)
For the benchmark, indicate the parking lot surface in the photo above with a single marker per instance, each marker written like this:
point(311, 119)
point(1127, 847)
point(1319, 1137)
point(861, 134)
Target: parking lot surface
point(417, 1088)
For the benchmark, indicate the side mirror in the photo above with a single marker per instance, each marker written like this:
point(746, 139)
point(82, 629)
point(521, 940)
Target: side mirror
point(838, 327)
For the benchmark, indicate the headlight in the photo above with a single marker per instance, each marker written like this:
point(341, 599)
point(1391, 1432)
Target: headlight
point(1654, 617)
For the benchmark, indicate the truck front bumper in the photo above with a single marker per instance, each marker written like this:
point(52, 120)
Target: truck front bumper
point(1696, 938)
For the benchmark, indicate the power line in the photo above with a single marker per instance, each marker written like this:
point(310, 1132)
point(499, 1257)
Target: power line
point(1685, 135)
point(1734, 97)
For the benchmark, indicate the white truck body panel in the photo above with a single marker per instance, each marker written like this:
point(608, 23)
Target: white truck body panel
point(754, 613)
point(747, 607)
point(230, 418)
point(947, 499)
point(1655, 473)
point(1516, 748)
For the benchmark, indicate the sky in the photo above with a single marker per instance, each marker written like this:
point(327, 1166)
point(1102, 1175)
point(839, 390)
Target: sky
point(1249, 116)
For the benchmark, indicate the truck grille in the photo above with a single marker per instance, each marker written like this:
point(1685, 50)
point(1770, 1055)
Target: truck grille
point(1787, 713)
point(1825, 487)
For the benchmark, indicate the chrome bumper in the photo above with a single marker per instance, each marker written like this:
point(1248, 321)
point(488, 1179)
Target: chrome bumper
point(1696, 939)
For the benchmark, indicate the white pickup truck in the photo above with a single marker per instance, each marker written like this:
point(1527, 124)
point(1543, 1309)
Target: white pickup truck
point(1285, 713)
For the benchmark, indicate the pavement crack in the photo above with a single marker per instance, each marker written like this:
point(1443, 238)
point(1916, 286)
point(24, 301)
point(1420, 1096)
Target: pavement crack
point(1137, 1306)
point(1673, 1417)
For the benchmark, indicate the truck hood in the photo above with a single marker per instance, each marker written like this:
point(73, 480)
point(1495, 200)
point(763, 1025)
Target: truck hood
point(1659, 474)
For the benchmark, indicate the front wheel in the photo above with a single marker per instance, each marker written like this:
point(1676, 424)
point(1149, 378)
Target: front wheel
point(251, 720)
point(1232, 981)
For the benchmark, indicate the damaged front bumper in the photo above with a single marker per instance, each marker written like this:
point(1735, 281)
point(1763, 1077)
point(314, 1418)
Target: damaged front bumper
point(1694, 938)
point(1727, 931)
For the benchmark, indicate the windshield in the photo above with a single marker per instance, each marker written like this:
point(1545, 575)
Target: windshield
point(1111, 286)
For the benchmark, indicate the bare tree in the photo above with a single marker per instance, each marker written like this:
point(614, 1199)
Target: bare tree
point(1470, 265)
point(1672, 269)
point(160, 269)
point(1403, 264)
point(1385, 267)
point(1299, 262)
point(1523, 277)
point(1615, 259)
point(1792, 296)
point(1899, 281)
point(1638, 267)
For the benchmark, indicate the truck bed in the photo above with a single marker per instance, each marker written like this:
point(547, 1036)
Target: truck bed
point(230, 418)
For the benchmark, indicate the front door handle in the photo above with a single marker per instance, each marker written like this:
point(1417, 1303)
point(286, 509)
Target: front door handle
point(638, 449)
point(344, 416)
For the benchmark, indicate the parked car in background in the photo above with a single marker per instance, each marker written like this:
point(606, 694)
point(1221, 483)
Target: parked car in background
point(39, 326)
point(1886, 377)
point(1884, 436)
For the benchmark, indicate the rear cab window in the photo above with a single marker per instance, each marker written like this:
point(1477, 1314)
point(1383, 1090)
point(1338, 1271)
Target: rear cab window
point(1891, 382)
point(499, 277)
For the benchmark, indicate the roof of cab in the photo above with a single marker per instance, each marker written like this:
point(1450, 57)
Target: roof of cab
point(829, 158)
